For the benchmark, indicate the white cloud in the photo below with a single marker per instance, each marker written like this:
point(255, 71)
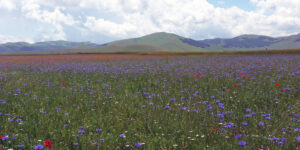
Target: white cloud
point(194, 17)
point(130, 18)
point(7, 4)
point(5, 39)
point(108, 27)
point(32, 9)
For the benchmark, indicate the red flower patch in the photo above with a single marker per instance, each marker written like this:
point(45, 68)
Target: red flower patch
point(196, 75)
point(47, 143)
point(277, 84)
point(213, 128)
point(235, 85)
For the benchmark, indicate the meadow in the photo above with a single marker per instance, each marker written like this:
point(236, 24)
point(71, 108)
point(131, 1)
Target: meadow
point(150, 102)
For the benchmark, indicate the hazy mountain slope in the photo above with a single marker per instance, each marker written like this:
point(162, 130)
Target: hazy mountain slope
point(255, 42)
point(42, 46)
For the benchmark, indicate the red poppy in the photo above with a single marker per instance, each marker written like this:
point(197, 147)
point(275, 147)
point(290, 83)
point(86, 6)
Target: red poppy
point(235, 85)
point(1, 136)
point(47, 143)
point(228, 90)
point(236, 132)
point(63, 84)
point(196, 75)
point(277, 84)
point(241, 73)
point(213, 128)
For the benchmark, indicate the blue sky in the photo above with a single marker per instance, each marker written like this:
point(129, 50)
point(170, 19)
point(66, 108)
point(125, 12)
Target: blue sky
point(107, 20)
point(243, 4)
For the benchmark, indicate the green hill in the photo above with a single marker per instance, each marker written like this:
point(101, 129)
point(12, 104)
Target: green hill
point(158, 42)
point(171, 42)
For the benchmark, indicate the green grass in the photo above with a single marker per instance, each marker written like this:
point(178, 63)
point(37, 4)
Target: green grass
point(115, 92)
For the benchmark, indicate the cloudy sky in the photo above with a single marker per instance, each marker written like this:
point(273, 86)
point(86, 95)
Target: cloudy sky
point(102, 21)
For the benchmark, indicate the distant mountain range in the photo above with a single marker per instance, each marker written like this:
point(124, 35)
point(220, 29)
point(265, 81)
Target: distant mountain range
point(159, 42)
point(43, 46)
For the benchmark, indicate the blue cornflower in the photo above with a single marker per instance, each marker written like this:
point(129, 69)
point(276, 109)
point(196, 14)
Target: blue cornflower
point(238, 136)
point(38, 147)
point(98, 130)
point(20, 146)
point(5, 138)
point(220, 115)
point(228, 126)
point(19, 120)
point(172, 99)
point(298, 138)
point(75, 144)
point(260, 123)
point(247, 116)
point(242, 143)
point(245, 123)
point(284, 139)
point(138, 144)
point(122, 136)
point(96, 143)
point(281, 143)
point(248, 110)
point(208, 108)
point(66, 114)
point(132, 119)
point(81, 131)
point(167, 107)
point(101, 140)
point(274, 139)
point(183, 108)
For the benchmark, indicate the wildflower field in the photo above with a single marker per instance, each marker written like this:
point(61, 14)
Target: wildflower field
point(150, 102)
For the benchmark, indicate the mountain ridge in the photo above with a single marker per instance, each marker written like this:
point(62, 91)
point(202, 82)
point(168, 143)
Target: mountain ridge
point(160, 41)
